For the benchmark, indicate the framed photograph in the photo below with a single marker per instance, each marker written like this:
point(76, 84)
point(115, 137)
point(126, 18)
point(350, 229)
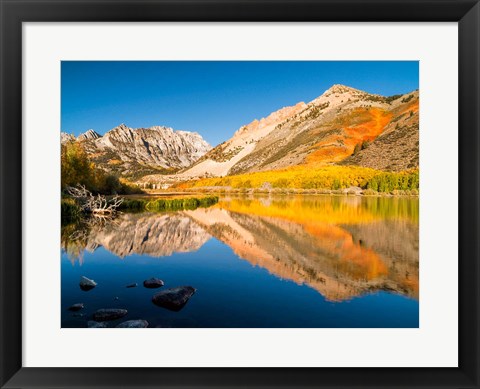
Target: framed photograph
point(239, 194)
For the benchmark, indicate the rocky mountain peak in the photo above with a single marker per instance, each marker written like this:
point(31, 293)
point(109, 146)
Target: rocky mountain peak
point(89, 135)
point(339, 94)
point(342, 89)
point(162, 129)
point(117, 135)
point(121, 128)
point(65, 137)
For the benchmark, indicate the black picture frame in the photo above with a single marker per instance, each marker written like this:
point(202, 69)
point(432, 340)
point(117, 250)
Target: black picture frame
point(15, 12)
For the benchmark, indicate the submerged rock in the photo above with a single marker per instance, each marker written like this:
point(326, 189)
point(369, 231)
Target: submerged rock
point(109, 314)
point(153, 283)
point(87, 284)
point(133, 324)
point(76, 307)
point(132, 285)
point(174, 298)
point(96, 324)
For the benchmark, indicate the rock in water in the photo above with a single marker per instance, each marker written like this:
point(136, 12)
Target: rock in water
point(354, 190)
point(96, 324)
point(76, 307)
point(109, 314)
point(132, 285)
point(86, 284)
point(133, 324)
point(174, 298)
point(153, 283)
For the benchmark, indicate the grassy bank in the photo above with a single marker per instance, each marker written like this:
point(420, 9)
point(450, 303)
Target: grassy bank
point(175, 204)
point(327, 178)
point(70, 211)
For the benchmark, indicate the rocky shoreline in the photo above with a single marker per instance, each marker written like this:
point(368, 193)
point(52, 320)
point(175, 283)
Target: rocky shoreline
point(351, 191)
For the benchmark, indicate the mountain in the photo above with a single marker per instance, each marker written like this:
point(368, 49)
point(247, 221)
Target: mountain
point(342, 126)
point(136, 152)
point(89, 135)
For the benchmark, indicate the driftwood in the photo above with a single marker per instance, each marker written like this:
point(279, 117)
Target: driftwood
point(97, 205)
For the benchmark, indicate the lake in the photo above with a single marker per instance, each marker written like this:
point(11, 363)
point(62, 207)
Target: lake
point(255, 262)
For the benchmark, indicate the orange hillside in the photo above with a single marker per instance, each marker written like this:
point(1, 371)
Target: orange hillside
point(368, 124)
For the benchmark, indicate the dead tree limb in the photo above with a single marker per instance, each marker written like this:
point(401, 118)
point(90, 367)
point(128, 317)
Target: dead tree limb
point(95, 205)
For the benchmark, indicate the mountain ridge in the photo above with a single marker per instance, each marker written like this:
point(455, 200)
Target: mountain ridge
point(342, 126)
point(131, 152)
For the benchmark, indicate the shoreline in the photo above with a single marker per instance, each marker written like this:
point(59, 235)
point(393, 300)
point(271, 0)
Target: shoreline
point(222, 191)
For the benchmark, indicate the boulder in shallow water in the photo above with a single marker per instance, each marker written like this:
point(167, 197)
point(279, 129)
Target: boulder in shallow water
point(76, 307)
point(133, 324)
point(153, 283)
point(96, 324)
point(87, 284)
point(353, 190)
point(109, 314)
point(132, 285)
point(174, 298)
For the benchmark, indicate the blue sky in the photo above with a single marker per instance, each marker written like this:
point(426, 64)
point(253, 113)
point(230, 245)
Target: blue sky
point(212, 98)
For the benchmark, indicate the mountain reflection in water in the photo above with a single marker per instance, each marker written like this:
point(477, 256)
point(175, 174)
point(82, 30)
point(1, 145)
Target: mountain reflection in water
point(342, 247)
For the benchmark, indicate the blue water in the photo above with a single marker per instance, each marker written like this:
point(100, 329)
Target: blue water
point(292, 261)
point(230, 293)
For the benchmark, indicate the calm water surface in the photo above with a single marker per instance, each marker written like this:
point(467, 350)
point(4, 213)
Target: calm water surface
point(287, 261)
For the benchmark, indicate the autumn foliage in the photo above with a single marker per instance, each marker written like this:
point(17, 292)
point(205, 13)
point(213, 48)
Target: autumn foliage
point(326, 177)
point(361, 125)
point(78, 169)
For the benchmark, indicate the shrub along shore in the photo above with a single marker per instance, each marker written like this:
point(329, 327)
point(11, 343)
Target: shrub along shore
point(174, 204)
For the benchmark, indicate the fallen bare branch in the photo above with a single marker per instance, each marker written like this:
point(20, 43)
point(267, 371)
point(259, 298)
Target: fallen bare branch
point(95, 205)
